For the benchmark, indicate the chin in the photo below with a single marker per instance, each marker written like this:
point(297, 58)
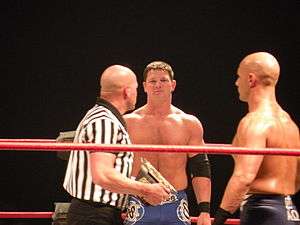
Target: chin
point(243, 99)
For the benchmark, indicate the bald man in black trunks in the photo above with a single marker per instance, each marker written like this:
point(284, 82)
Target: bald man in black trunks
point(262, 184)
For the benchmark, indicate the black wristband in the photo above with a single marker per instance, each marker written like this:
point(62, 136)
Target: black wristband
point(221, 216)
point(204, 207)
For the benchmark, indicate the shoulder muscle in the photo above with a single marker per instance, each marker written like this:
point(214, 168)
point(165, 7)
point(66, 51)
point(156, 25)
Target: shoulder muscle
point(252, 131)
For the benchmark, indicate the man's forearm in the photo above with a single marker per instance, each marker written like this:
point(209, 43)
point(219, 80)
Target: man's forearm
point(232, 198)
point(116, 182)
point(202, 188)
point(298, 175)
point(234, 194)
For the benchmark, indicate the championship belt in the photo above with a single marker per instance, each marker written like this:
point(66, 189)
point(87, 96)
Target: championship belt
point(148, 174)
point(66, 136)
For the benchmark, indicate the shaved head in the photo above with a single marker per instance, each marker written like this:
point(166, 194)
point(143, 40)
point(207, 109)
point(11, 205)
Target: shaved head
point(264, 65)
point(118, 85)
point(115, 78)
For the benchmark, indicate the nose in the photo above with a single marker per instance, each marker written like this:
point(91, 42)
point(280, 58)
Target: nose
point(158, 84)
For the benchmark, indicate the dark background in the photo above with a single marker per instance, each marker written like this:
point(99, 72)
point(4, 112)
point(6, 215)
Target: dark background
point(53, 51)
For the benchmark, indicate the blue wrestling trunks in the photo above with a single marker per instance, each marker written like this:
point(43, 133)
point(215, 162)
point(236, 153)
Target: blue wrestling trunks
point(172, 212)
point(259, 209)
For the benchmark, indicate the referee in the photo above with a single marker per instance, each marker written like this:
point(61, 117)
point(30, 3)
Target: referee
point(99, 181)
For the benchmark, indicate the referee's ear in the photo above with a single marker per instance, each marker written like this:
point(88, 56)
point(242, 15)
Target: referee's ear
point(127, 92)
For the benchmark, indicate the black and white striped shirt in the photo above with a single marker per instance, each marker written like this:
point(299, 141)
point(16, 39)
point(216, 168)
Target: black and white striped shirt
point(103, 124)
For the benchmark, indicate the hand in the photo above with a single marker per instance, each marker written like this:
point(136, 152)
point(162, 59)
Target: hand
point(204, 219)
point(155, 194)
point(221, 216)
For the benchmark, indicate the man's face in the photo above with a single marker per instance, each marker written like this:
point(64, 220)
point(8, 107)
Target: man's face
point(242, 84)
point(158, 83)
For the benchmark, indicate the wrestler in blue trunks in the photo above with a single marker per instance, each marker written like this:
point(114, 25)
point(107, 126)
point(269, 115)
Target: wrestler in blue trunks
point(174, 211)
point(260, 209)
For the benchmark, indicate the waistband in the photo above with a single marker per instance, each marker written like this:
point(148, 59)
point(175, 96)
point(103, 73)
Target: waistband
point(268, 198)
point(174, 197)
point(181, 194)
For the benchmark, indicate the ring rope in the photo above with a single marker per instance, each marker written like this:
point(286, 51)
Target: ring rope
point(27, 140)
point(25, 215)
point(52, 145)
point(22, 140)
point(211, 149)
point(48, 215)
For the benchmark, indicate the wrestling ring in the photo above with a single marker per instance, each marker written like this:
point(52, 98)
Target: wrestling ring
point(52, 145)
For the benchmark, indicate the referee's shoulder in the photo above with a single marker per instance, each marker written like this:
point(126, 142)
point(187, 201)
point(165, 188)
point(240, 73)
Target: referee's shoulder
point(98, 115)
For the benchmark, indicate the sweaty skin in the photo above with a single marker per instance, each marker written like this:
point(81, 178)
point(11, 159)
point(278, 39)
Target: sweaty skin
point(159, 122)
point(266, 125)
point(173, 128)
point(276, 174)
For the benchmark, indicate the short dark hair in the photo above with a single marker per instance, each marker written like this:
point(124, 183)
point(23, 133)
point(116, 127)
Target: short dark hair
point(158, 65)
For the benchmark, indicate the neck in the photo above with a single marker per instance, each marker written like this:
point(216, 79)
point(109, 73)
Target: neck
point(259, 98)
point(116, 103)
point(159, 107)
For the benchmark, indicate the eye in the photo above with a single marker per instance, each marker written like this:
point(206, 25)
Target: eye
point(164, 80)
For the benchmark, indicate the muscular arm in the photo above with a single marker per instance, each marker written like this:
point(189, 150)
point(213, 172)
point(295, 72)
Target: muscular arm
point(297, 185)
point(250, 134)
point(245, 170)
point(298, 175)
point(298, 168)
point(104, 174)
point(201, 184)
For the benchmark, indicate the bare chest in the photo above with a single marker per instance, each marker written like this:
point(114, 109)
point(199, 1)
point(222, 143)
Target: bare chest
point(161, 131)
point(169, 164)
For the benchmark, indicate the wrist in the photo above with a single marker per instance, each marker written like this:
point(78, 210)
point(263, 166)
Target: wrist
point(221, 216)
point(144, 189)
point(204, 207)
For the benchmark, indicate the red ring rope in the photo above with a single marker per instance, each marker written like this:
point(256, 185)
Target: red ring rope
point(22, 215)
point(51, 145)
point(212, 149)
point(48, 215)
point(55, 141)
point(28, 140)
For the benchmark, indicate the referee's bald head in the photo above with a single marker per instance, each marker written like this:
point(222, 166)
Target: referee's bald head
point(115, 78)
